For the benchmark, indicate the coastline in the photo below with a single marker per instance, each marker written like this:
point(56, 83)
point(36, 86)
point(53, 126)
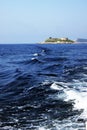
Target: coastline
point(57, 42)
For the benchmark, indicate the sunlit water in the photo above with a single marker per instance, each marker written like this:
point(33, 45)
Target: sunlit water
point(43, 87)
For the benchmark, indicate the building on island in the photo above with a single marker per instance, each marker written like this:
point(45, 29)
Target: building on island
point(64, 38)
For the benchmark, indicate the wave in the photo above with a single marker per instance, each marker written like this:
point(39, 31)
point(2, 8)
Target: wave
point(77, 97)
point(43, 87)
point(55, 59)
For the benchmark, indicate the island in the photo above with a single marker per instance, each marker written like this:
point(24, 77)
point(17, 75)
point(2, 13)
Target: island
point(58, 40)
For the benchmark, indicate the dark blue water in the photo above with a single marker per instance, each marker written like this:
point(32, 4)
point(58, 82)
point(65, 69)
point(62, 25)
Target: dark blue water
point(43, 87)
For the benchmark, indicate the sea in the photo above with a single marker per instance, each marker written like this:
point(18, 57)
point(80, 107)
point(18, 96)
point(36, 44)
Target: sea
point(43, 86)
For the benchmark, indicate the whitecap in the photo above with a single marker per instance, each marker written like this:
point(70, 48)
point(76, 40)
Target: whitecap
point(35, 54)
point(33, 58)
point(46, 82)
point(55, 86)
point(7, 128)
point(79, 99)
point(42, 128)
point(76, 92)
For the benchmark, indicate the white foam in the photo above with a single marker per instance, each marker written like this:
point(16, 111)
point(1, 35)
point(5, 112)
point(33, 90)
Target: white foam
point(35, 54)
point(1, 110)
point(46, 82)
point(55, 86)
point(80, 100)
point(78, 97)
point(85, 68)
point(42, 128)
point(7, 128)
point(86, 125)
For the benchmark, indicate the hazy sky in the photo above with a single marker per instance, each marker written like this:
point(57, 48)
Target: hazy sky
point(28, 21)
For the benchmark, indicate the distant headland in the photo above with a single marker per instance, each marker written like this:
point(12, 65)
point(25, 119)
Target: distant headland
point(52, 40)
point(81, 40)
point(58, 40)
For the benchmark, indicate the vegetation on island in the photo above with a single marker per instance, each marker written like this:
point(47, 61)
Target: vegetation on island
point(58, 40)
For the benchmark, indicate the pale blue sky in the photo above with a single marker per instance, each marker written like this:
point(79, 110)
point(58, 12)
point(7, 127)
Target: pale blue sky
point(29, 21)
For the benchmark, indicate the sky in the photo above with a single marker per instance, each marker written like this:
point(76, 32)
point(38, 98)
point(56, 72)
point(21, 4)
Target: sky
point(31, 21)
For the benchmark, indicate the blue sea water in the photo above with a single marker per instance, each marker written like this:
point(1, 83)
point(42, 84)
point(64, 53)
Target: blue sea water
point(43, 86)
